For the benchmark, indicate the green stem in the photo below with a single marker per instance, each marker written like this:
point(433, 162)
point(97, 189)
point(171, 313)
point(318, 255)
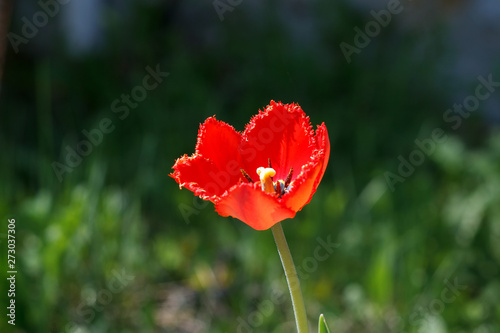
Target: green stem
point(292, 279)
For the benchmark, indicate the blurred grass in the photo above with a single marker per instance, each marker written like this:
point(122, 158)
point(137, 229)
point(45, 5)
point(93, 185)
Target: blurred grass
point(119, 211)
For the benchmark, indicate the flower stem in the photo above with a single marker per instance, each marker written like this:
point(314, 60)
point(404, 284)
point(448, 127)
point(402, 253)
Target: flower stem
point(292, 279)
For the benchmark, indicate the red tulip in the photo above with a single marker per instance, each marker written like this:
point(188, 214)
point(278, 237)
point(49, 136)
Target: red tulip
point(263, 175)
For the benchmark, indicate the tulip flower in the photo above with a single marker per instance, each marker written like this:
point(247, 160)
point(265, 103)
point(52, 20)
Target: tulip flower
point(225, 166)
point(260, 176)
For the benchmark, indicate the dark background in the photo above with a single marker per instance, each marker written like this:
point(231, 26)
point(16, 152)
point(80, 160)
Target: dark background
point(105, 247)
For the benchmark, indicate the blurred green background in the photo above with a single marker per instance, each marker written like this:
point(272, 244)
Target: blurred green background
point(105, 247)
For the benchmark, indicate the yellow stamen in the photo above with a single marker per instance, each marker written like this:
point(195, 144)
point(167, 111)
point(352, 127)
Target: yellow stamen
point(265, 175)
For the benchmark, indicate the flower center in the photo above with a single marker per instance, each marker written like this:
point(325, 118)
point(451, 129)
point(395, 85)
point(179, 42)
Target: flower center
point(266, 180)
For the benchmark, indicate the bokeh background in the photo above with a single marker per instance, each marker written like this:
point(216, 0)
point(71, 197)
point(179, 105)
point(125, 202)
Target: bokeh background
point(110, 243)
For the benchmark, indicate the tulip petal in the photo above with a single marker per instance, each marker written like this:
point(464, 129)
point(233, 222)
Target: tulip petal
point(218, 142)
point(303, 188)
point(283, 134)
point(201, 176)
point(248, 203)
point(323, 144)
